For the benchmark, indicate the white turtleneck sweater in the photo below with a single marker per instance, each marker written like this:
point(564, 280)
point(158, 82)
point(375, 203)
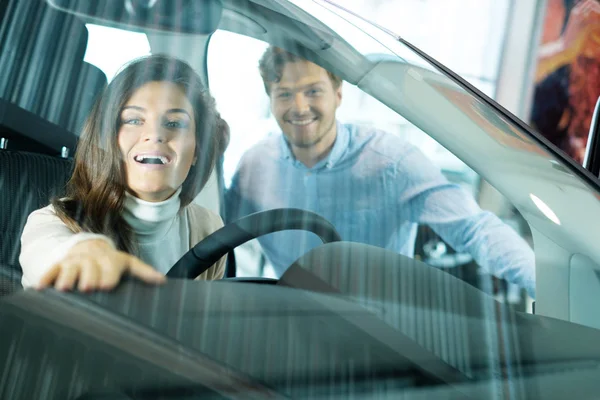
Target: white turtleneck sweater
point(162, 233)
point(161, 229)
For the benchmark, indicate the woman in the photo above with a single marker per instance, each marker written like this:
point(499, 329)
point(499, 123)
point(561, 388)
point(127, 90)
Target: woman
point(146, 151)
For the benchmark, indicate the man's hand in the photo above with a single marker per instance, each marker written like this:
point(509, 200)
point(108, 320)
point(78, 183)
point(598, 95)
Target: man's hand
point(96, 265)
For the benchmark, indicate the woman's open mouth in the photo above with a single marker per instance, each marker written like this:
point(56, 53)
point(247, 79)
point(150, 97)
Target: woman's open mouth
point(152, 159)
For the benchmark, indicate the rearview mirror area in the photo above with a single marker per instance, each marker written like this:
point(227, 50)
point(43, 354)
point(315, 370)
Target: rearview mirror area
point(184, 16)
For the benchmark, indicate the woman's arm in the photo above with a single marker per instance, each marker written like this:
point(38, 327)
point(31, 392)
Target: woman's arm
point(45, 241)
point(52, 254)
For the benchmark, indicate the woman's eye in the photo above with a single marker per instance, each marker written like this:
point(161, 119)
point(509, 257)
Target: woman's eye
point(314, 92)
point(176, 124)
point(131, 121)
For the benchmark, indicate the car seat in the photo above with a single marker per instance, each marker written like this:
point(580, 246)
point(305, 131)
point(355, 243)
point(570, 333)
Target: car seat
point(27, 182)
point(46, 92)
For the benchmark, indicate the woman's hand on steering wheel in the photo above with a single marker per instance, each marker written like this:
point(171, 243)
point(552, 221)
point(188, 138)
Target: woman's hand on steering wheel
point(96, 265)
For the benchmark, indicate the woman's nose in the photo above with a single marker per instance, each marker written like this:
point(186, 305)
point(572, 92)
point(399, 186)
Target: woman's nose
point(154, 133)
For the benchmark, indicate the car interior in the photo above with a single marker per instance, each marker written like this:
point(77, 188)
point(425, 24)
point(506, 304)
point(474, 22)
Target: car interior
point(45, 130)
point(369, 337)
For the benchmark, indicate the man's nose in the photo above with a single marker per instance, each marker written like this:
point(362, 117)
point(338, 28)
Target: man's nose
point(301, 104)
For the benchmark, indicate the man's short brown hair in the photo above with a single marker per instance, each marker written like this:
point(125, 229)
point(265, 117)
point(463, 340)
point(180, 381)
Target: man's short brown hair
point(273, 61)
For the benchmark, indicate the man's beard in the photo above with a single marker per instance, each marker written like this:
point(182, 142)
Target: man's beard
point(307, 145)
point(320, 136)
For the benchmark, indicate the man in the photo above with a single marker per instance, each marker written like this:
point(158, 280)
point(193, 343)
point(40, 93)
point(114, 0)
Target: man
point(374, 187)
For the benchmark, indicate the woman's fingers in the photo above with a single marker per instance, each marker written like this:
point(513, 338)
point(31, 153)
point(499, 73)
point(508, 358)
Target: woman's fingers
point(97, 269)
point(67, 277)
point(49, 277)
point(112, 272)
point(144, 272)
point(89, 278)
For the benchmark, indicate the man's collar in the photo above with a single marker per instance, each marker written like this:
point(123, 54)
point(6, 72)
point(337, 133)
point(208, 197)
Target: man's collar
point(340, 146)
point(335, 155)
point(286, 151)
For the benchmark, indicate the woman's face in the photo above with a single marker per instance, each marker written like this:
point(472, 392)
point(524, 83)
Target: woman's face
point(157, 140)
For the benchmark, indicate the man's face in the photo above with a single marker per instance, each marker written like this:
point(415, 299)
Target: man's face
point(304, 103)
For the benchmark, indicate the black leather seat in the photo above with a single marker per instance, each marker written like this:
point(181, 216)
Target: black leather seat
point(45, 77)
point(27, 182)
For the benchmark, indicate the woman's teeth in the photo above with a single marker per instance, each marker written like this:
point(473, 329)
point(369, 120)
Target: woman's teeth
point(151, 159)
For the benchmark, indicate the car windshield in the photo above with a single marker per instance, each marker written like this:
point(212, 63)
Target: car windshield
point(389, 230)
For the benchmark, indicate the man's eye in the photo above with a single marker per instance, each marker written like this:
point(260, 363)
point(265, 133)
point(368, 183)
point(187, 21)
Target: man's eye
point(284, 95)
point(314, 92)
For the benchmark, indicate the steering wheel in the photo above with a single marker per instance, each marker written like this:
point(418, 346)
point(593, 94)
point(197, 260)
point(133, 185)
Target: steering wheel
point(207, 252)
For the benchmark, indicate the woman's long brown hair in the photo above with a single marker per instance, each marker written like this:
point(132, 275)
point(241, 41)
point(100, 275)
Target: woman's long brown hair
point(96, 191)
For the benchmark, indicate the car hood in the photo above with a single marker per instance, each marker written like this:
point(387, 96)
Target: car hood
point(237, 339)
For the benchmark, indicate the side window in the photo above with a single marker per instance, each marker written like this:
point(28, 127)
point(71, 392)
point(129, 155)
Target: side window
point(238, 88)
point(239, 92)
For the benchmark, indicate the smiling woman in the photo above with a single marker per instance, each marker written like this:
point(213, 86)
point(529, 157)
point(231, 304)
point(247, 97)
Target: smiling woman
point(146, 151)
point(157, 139)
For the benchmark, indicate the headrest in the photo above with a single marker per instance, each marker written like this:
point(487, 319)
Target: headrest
point(42, 50)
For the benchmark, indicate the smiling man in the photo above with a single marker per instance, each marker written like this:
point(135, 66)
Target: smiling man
point(304, 102)
point(374, 187)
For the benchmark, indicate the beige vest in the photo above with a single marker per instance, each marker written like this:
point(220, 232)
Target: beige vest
point(203, 222)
